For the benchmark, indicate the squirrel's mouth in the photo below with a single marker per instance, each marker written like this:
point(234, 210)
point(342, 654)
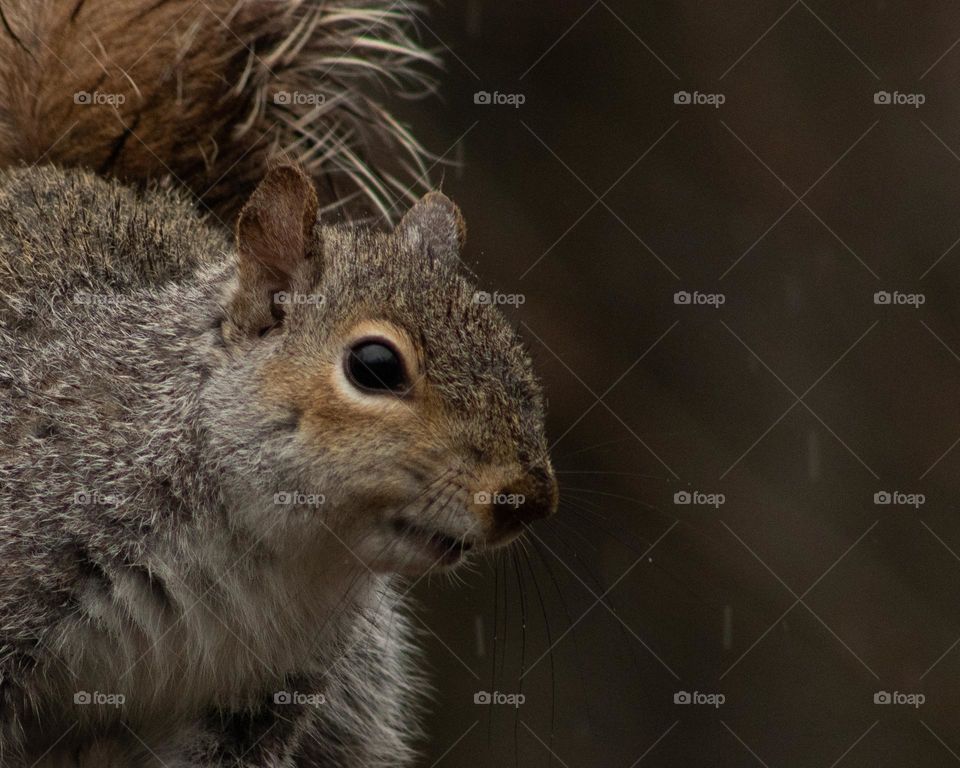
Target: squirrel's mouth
point(443, 549)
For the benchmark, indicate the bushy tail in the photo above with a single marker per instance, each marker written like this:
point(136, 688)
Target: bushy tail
point(207, 92)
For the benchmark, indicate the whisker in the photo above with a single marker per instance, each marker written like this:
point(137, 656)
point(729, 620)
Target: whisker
point(523, 653)
point(608, 495)
point(562, 456)
point(506, 615)
point(603, 472)
point(566, 610)
point(345, 602)
point(577, 533)
point(601, 588)
point(496, 630)
point(624, 538)
point(627, 540)
point(546, 623)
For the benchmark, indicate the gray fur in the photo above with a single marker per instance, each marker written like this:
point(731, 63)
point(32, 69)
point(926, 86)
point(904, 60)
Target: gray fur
point(176, 580)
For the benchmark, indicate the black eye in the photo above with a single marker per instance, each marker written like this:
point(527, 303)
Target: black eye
point(374, 366)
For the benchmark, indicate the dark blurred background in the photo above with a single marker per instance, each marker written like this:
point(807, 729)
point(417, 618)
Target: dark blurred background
point(800, 398)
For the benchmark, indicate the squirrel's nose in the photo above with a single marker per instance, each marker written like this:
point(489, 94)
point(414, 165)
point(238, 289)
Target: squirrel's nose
point(530, 498)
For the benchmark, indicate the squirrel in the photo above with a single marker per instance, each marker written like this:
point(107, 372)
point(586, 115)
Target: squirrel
point(207, 92)
point(228, 453)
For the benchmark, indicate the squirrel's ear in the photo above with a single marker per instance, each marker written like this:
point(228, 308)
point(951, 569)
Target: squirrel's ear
point(435, 224)
point(274, 237)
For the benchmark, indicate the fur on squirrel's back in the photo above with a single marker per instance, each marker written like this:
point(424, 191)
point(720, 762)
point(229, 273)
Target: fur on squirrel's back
point(205, 94)
point(70, 234)
point(73, 384)
point(66, 233)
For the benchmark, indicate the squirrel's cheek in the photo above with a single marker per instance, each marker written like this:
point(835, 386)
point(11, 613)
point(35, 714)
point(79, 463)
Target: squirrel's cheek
point(326, 406)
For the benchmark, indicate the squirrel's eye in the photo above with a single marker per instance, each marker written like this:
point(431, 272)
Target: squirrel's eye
point(374, 366)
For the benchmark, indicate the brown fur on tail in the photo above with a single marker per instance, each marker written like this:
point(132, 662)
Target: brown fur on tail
point(208, 92)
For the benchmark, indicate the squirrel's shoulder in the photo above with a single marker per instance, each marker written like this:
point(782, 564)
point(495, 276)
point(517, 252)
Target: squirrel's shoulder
point(70, 232)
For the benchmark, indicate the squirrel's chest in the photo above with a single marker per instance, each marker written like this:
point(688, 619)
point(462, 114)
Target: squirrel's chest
point(182, 645)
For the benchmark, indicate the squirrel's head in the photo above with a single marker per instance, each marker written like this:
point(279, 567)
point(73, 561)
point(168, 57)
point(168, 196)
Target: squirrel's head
point(372, 395)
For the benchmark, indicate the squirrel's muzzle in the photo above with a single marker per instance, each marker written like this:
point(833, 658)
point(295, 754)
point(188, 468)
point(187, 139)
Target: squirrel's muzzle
point(526, 500)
